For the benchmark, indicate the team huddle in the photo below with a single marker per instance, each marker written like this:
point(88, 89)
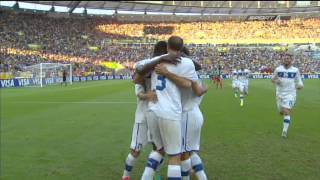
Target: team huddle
point(168, 116)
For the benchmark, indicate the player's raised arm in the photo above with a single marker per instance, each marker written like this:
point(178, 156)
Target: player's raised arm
point(147, 66)
point(179, 81)
point(143, 69)
point(298, 80)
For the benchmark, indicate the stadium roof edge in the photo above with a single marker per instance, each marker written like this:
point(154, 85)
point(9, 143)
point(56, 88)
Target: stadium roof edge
point(150, 7)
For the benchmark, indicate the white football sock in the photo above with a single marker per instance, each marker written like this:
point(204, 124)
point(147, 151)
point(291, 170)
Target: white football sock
point(174, 172)
point(152, 164)
point(129, 165)
point(286, 122)
point(198, 167)
point(160, 164)
point(185, 169)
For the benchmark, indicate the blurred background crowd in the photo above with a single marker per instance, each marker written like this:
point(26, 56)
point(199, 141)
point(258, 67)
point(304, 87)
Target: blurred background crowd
point(28, 39)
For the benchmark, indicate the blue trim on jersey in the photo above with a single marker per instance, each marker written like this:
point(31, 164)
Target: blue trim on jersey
point(286, 121)
point(128, 168)
point(198, 167)
point(289, 75)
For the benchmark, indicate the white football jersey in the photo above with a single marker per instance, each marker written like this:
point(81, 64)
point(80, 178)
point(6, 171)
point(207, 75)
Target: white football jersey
point(289, 79)
point(142, 105)
point(147, 79)
point(189, 99)
point(243, 75)
point(169, 105)
point(235, 75)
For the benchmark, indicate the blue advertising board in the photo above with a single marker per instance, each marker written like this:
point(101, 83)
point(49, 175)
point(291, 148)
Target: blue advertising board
point(4, 83)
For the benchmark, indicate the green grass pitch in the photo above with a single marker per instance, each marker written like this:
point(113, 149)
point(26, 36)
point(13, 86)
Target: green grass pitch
point(83, 132)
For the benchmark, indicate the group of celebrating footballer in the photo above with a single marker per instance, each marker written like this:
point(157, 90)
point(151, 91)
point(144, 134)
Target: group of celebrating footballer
point(168, 116)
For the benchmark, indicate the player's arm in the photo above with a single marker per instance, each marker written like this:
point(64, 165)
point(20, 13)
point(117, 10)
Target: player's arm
point(138, 79)
point(148, 96)
point(146, 67)
point(198, 89)
point(298, 81)
point(275, 78)
point(179, 81)
point(142, 95)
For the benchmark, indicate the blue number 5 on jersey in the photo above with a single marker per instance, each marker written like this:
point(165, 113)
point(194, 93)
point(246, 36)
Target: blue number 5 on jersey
point(163, 83)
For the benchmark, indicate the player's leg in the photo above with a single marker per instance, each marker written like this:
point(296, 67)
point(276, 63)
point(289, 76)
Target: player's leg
point(214, 79)
point(161, 151)
point(234, 87)
point(197, 166)
point(217, 82)
point(241, 89)
point(195, 122)
point(130, 161)
point(185, 156)
point(220, 83)
point(185, 166)
point(139, 139)
point(247, 88)
point(155, 158)
point(172, 142)
point(286, 121)
point(286, 106)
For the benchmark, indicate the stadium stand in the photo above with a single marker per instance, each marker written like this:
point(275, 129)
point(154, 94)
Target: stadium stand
point(28, 39)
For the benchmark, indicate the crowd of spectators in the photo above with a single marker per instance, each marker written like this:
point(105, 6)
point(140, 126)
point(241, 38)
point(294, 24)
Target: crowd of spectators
point(68, 40)
point(234, 30)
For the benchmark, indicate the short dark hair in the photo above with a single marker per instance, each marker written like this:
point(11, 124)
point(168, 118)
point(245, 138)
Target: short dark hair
point(160, 48)
point(175, 43)
point(185, 51)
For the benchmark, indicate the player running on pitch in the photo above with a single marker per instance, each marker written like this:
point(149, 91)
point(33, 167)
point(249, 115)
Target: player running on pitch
point(287, 79)
point(235, 82)
point(243, 82)
point(217, 79)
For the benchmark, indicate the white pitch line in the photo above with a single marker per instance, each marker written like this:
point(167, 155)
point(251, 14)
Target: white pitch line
point(77, 102)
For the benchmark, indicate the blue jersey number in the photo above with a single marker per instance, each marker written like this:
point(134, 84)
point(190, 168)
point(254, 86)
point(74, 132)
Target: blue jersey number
point(163, 83)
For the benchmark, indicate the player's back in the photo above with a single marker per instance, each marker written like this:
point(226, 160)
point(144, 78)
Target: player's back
point(169, 105)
